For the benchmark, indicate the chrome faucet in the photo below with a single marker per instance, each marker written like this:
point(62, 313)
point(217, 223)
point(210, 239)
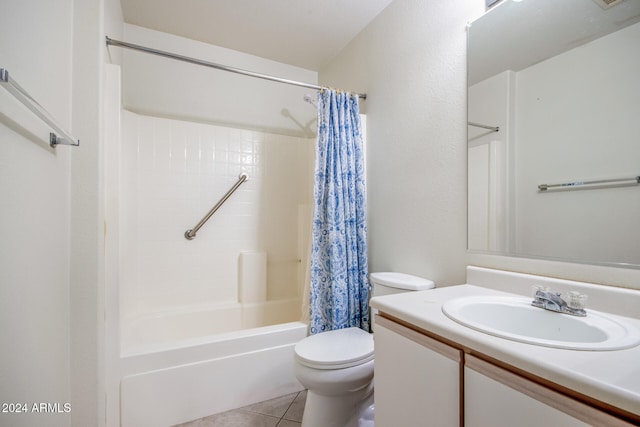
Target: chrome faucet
point(543, 298)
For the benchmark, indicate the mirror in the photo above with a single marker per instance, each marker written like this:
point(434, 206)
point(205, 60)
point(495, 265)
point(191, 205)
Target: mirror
point(558, 178)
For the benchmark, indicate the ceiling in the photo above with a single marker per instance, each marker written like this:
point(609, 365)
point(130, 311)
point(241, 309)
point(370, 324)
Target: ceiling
point(303, 33)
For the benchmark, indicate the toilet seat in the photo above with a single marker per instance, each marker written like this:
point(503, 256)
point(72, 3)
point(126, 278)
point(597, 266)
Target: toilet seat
point(342, 348)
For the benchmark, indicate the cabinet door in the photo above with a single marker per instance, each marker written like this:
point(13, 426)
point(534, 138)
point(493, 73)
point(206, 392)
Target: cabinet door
point(496, 397)
point(417, 379)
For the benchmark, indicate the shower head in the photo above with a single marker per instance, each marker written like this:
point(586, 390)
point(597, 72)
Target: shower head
point(308, 98)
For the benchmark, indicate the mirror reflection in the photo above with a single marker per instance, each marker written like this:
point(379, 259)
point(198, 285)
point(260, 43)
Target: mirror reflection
point(554, 113)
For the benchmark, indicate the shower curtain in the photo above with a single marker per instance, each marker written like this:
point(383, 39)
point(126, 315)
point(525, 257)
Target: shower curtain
point(339, 288)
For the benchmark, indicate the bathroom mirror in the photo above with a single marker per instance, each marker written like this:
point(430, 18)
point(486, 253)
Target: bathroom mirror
point(554, 146)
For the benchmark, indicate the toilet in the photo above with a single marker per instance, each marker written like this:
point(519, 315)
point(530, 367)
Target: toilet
point(336, 367)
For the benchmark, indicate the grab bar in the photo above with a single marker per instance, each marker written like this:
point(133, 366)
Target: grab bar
point(570, 185)
point(21, 95)
point(191, 233)
point(480, 125)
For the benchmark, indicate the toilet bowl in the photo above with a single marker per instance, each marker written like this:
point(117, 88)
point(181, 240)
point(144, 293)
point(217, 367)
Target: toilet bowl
point(336, 367)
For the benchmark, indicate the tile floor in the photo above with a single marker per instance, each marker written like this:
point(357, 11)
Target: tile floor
point(284, 411)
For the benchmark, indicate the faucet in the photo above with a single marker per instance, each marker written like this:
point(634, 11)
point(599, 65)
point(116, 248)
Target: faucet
point(543, 298)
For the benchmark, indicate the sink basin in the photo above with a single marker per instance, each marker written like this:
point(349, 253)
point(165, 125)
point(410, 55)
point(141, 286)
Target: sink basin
point(514, 318)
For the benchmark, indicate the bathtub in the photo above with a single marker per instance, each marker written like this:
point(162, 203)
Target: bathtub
point(182, 366)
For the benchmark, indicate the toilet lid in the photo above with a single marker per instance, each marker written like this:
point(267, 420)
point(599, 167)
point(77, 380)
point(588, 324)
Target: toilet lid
point(337, 349)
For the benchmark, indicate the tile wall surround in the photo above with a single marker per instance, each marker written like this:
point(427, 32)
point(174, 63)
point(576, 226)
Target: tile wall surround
point(172, 173)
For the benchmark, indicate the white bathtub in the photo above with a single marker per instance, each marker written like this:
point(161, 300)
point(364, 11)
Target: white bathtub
point(181, 366)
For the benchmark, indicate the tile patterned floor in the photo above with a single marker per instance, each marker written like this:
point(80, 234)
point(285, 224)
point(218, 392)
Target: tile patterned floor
point(284, 411)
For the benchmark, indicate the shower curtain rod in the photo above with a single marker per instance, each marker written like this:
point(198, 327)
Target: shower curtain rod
point(113, 42)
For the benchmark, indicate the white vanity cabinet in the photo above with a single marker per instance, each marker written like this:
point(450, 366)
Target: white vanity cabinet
point(417, 378)
point(422, 381)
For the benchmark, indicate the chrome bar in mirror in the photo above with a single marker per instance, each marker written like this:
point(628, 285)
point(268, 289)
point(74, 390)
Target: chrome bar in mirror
point(480, 125)
point(574, 184)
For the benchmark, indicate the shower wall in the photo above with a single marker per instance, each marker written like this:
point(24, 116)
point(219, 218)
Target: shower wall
point(164, 87)
point(172, 173)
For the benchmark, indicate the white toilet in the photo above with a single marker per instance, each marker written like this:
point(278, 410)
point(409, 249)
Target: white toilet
point(336, 367)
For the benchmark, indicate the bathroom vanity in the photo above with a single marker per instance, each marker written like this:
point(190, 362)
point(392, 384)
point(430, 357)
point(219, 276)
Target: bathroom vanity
point(433, 370)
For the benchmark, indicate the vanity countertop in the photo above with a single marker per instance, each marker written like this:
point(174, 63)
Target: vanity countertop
point(612, 377)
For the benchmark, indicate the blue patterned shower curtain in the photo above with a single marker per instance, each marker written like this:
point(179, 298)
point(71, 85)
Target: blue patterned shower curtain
point(339, 289)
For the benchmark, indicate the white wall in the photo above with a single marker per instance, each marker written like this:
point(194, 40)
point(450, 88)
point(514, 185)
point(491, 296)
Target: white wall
point(113, 27)
point(173, 172)
point(162, 87)
point(51, 268)
point(411, 63)
point(34, 218)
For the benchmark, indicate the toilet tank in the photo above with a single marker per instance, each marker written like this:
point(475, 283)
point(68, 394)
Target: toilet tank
point(388, 283)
